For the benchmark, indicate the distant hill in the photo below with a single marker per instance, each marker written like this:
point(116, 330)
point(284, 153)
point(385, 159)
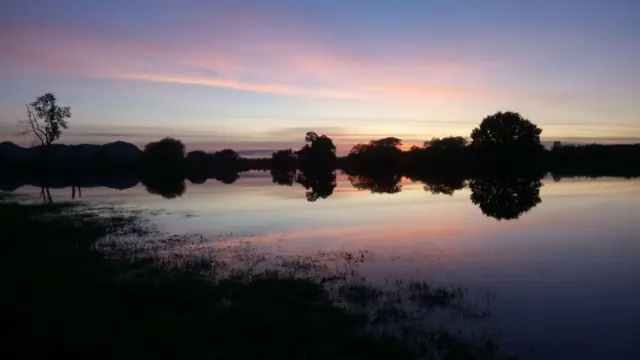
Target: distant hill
point(117, 154)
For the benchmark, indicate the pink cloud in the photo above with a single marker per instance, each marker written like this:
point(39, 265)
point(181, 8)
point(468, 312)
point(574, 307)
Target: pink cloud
point(249, 62)
point(280, 89)
point(69, 50)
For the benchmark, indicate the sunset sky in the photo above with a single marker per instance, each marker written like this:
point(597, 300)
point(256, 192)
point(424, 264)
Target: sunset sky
point(255, 75)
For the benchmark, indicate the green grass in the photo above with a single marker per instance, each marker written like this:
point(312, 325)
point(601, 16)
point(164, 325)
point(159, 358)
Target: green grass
point(67, 299)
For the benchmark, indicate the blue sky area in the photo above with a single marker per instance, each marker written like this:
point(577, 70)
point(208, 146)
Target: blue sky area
point(256, 75)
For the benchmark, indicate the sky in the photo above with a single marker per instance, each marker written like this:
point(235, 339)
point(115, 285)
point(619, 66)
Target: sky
point(256, 75)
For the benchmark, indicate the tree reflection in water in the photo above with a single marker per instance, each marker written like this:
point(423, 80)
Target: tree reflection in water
point(383, 183)
point(167, 186)
point(442, 184)
point(227, 177)
point(502, 198)
point(283, 177)
point(505, 198)
point(499, 197)
point(319, 184)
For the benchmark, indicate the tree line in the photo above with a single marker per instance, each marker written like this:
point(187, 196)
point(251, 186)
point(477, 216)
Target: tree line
point(503, 143)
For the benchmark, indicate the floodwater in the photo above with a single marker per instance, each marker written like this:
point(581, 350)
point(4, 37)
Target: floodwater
point(562, 280)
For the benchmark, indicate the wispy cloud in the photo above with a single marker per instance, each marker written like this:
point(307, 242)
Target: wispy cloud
point(295, 68)
point(279, 89)
point(479, 92)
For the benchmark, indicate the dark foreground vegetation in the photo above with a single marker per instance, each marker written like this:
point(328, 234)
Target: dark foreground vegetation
point(72, 295)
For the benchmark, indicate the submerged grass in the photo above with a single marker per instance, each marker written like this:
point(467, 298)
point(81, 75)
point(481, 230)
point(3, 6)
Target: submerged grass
point(66, 298)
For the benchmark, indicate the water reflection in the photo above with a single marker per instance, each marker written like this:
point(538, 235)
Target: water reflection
point(384, 183)
point(443, 184)
point(12, 181)
point(45, 193)
point(283, 177)
point(167, 186)
point(502, 198)
point(319, 184)
point(498, 197)
point(505, 198)
point(562, 277)
point(227, 177)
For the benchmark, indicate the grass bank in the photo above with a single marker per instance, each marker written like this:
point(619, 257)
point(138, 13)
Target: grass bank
point(68, 299)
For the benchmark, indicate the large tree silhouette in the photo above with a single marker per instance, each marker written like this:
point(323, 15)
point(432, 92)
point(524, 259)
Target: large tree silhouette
point(164, 155)
point(319, 152)
point(506, 131)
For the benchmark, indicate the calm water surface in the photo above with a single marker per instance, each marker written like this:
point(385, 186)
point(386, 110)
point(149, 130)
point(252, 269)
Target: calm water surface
point(561, 281)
